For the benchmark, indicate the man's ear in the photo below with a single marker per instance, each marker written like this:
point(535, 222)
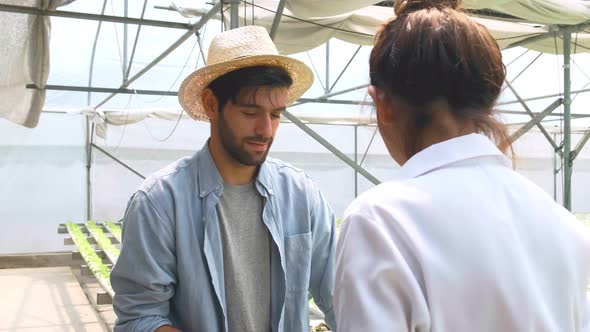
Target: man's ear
point(210, 104)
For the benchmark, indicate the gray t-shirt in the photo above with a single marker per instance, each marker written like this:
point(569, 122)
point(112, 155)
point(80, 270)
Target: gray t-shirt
point(246, 258)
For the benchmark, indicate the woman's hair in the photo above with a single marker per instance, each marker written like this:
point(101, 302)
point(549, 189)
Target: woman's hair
point(432, 51)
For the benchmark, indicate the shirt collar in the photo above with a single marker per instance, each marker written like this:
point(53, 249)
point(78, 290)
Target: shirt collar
point(450, 151)
point(210, 179)
point(264, 178)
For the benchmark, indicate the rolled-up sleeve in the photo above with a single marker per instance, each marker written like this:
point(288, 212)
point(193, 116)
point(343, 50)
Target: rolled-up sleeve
point(321, 284)
point(144, 276)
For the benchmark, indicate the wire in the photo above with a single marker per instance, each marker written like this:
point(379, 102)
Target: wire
point(173, 83)
point(181, 111)
point(116, 149)
point(522, 71)
point(369, 146)
point(118, 42)
point(171, 132)
point(315, 71)
point(518, 57)
point(200, 55)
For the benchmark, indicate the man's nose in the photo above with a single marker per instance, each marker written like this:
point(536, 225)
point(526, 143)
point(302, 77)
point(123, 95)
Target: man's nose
point(264, 125)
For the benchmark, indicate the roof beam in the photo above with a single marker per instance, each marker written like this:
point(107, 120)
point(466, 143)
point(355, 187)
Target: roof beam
point(211, 13)
point(330, 147)
point(580, 145)
point(535, 120)
point(532, 115)
point(541, 97)
point(277, 19)
point(93, 17)
point(319, 100)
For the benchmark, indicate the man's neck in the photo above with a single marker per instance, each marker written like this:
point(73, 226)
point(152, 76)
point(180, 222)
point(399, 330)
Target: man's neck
point(230, 170)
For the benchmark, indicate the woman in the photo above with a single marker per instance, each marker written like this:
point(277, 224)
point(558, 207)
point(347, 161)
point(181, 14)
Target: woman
point(461, 242)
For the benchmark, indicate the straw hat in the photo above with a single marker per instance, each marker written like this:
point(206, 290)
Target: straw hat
point(235, 49)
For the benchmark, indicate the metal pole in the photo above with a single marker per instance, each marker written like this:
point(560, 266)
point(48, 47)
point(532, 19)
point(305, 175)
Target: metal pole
point(90, 128)
point(135, 42)
point(567, 166)
point(555, 172)
point(125, 32)
point(332, 101)
point(201, 49)
point(275, 23)
point(327, 88)
point(356, 173)
point(540, 97)
point(234, 14)
point(534, 121)
point(581, 144)
point(330, 147)
point(345, 67)
point(118, 161)
point(88, 148)
point(93, 17)
point(103, 90)
point(328, 95)
point(532, 115)
point(175, 93)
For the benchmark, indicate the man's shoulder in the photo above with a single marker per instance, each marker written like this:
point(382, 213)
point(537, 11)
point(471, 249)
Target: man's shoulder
point(180, 171)
point(286, 170)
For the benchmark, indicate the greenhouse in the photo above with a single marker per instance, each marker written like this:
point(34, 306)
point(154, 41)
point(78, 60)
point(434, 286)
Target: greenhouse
point(90, 109)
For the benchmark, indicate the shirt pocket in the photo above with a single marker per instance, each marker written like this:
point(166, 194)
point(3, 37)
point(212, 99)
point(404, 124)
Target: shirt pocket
point(298, 261)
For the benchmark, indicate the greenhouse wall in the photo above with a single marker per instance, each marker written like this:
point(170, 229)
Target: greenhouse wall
point(43, 171)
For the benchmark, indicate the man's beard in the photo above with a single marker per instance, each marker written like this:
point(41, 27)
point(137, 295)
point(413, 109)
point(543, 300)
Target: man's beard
point(237, 150)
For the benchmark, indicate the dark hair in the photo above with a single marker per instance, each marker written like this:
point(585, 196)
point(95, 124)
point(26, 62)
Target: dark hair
point(228, 86)
point(432, 51)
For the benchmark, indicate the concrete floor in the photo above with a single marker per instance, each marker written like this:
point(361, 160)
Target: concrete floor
point(48, 299)
point(57, 299)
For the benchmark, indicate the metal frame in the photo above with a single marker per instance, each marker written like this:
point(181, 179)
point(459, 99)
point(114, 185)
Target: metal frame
point(564, 150)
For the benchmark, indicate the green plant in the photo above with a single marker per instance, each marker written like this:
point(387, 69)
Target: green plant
point(103, 241)
point(94, 262)
point(114, 229)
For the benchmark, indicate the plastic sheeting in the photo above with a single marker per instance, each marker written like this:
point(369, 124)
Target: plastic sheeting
point(565, 12)
point(105, 117)
point(24, 57)
point(308, 27)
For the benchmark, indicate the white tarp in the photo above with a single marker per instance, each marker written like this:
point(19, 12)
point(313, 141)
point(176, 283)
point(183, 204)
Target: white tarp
point(116, 117)
point(308, 24)
point(565, 12)
point(24, 59)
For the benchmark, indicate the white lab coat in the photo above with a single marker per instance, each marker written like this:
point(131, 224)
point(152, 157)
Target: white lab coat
point(461, 243)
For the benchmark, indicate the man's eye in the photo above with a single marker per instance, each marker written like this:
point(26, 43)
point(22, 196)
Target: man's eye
point(276, 116)
point(249, 114)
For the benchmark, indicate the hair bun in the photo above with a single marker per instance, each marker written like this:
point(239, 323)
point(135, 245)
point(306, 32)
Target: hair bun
point(408, 6)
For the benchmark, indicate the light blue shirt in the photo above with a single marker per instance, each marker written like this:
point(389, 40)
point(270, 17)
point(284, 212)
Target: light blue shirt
point(170, 270)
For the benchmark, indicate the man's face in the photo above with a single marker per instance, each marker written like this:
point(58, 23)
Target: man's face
point(246, 127)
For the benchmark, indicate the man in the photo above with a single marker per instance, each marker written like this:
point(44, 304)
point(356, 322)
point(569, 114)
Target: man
point(228, 239)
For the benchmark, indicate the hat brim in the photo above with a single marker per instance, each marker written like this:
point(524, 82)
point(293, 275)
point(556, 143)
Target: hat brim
point(189, 94)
